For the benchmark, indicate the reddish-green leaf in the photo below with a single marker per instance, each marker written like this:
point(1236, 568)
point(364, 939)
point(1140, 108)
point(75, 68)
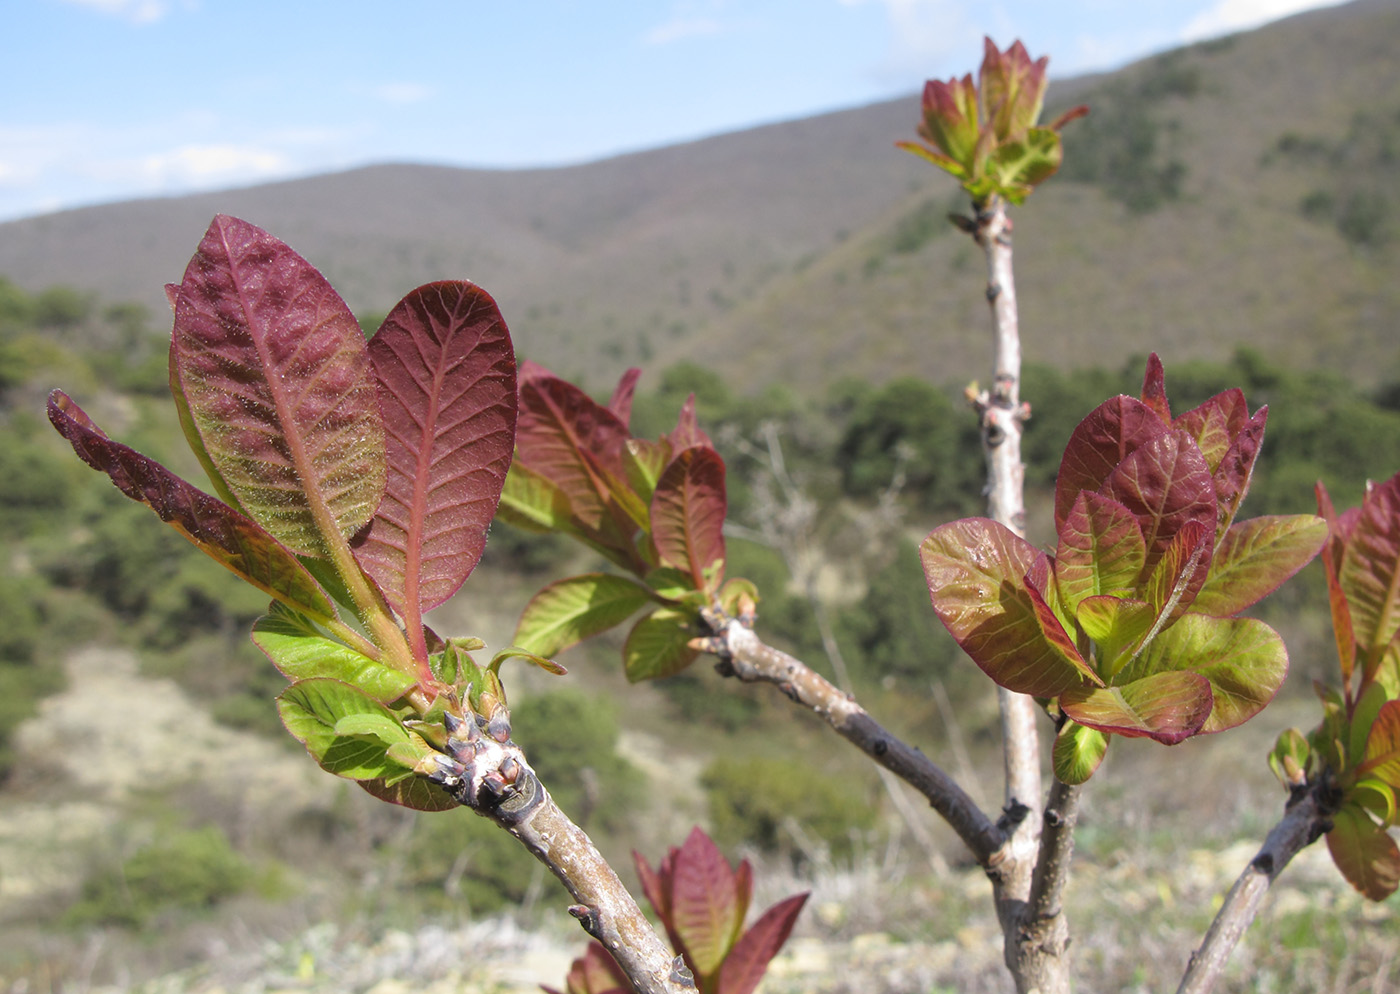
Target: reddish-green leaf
point(1154, 388)
point(656, 885)
point(748, 961)
point(1078, 751)
point(577, 444)
point(416, 793)
point(687, 515)
point(1098, 444)
point(1215, 424)
point(1168, 706)
point(1333, 551)
point(1100, 551)
point(568, 611)
point(1231, 478)
point(1165, 483)
point(596, 972)
point(1255, 557)
point(1180, 572)
point(1243, 658)
point(531, 501)
point(657, 645)
point(446, 377)
point(1366, 855)
point(1044, 601)
point(704, 906)
point(1370, 572)
point(232, 540)
point(1382, 756)
point(688, 433)
point(644, 462)
point(976, 572)
point(274, 368)
point(621, 402)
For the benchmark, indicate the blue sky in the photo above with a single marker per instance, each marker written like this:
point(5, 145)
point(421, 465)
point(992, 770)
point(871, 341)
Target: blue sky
point(105, 100)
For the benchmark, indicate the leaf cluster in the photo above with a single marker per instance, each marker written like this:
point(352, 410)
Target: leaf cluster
point(1355, 752)
point(1131, 628)
point(351, 477)
point(655, 509)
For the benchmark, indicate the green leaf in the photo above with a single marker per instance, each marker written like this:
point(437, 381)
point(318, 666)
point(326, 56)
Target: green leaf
point(1290, 757)
point(515, 652)
point(976, 572)
point(1364, 853)
point(1169, 707)
point(569, 611)
point(313, 709)
point(644, 463)
point(1117, 625)
point(1255, 557)
point(1020, 164)
point(296, 648)
point(657, 645)
point(417, 793)
point(532, 501)
point(1243, 658)
point(1078, 752)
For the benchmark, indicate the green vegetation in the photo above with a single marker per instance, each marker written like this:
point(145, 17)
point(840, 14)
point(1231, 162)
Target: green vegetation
point(178, 871)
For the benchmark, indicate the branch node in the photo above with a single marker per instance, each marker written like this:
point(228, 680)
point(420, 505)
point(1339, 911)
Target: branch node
point(1012, 815)
point(680, 973)
point(589, 918)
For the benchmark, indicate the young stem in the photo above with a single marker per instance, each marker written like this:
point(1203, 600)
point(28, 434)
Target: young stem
point(602, 905)
point(1304, 821)
point(1001, 415)
point(746, 657)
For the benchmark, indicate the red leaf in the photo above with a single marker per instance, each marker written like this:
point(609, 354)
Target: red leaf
point(446, 376)
point(228, 537)
point(1365, 854)
point(621, 402)
point(274, 368)
point(976, 571)
point(1154, 389)
point(1099, 443)
point(1370, 573)
point(687, 515)
point(567, 437)
point(704, 905)
point(1332, 552)
point(748, 960)
point(688, 433)
point(1231, 478)
point(1165, 483)
point(596, 972)
point(1169, 707)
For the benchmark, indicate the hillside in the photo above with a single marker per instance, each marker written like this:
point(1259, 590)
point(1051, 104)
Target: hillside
point(1236, 191)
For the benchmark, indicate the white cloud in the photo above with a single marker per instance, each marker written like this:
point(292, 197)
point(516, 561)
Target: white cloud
point(925, 37)
point(403, 93)
point(1227, 16)
point(205, 165)
point(137, 11)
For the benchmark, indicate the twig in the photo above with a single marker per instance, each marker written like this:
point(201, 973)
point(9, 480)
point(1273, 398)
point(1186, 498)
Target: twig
point(1304, 821)
point(745, 656)
point(499, 784)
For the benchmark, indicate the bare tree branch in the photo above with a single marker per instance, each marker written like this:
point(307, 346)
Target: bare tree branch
point(745, 656)
point(1304, 821)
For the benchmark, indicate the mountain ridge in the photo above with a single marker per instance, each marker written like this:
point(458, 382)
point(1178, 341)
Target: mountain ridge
point(785, 251)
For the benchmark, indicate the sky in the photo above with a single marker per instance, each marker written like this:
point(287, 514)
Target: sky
point(105, 100)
